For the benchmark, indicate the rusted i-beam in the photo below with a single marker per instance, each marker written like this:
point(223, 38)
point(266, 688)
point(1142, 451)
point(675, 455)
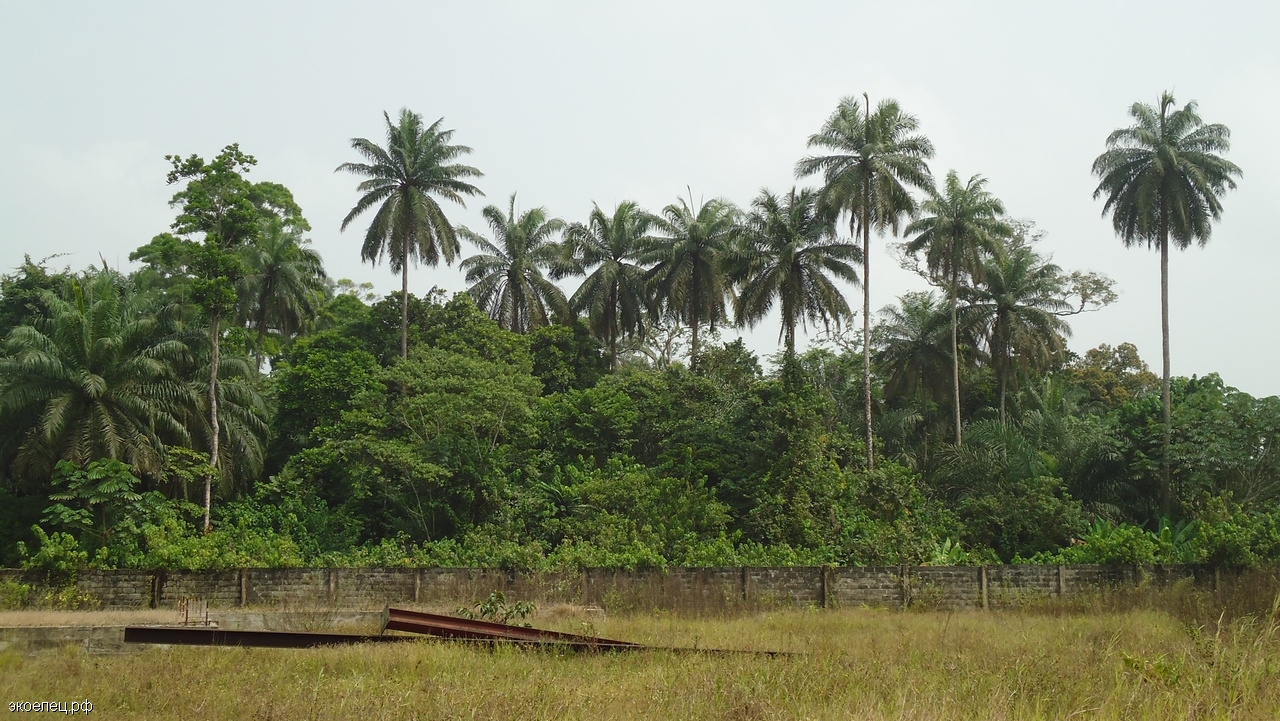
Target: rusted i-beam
point(261, 639)
point(431, 624)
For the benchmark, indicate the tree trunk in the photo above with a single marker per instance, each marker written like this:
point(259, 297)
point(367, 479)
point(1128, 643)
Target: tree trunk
point(215, 430)
point(404, 300)
point(1165, 472)
point(955, 351)
point(613, 328)
point(693, 317)
point(262, 335)
point(866, 319)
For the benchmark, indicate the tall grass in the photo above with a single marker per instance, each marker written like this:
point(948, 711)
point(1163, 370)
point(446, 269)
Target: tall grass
point(1141, 655)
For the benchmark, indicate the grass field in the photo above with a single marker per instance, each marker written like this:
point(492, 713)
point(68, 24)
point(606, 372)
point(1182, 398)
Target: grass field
point(1137, 664)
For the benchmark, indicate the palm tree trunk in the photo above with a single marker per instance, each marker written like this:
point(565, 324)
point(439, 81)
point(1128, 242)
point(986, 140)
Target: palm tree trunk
point(693, 346)
point(866, 319)
point(215, 430)
point(613, 327)
point(1004, 384)
point(955, 352)
point(404, 301)
point(262, 335)
point(1165, 479)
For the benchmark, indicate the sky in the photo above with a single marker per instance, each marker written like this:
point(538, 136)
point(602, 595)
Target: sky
point(574, 103)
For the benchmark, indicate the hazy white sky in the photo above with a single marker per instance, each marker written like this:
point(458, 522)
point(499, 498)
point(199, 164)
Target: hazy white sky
point(569, 103)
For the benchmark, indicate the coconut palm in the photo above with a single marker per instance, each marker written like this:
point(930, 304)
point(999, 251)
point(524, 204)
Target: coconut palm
point(282, 287)
point(96, 378)
point(961, 228)
point(1162, 178)
point(1018, 306)
point(401, 178)
point(789, 254)
point(506, 277)
point(688, 254)
point(871, 162)
point(614, 295)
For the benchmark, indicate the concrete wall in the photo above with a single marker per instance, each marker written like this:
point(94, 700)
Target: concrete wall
point(693, 589)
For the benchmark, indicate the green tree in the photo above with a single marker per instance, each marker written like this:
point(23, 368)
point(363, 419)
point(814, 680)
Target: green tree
point(507, 276)
point(962, 227)
point(282, 287)
point(227, 211)
point(872, 162)
point(913, 354)
point(789, 255)
point(614, 295)
point(688, 256)
point(1019, 306)
point(1162, 179)
point(97, 378)
point(401, 178)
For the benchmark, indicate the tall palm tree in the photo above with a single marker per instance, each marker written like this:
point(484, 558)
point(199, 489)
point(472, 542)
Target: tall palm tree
point(96, 378)
point(506, 277)
point(401, 178)
point(1018, 305)
point(282, 287)
point(962, 228)
point(688, 254)
point(789, 254)
point(871, 162)
point(614, 294)
point(1162, 178)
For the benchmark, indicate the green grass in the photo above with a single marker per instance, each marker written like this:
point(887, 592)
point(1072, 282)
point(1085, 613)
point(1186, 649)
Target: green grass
point(849, 664)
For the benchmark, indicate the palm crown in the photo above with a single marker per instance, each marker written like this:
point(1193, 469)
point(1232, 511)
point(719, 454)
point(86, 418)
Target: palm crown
point(789, 254)
point(400, 179)
point(506, 277)
point(614, 295)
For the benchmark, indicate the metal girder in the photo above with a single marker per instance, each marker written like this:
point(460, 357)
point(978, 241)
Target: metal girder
point(431, 624)
point(261, 639)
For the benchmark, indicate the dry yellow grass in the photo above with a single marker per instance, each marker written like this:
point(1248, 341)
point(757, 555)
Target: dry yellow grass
point(849, 664)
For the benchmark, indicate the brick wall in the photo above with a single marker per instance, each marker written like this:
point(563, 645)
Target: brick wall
point(690, 589)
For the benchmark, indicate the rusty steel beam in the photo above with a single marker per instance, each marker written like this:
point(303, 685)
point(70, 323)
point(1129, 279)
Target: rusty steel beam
point(431, 624)
point(260, 639)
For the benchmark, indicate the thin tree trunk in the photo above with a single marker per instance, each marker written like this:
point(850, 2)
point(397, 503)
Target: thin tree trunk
point(404, 301)
point(215, 430)
point(1004, 384)
point(1165, 472)
point(866, 320)
point(613, 328)
point(693, 346)
point(262, 335)
point(955, 352)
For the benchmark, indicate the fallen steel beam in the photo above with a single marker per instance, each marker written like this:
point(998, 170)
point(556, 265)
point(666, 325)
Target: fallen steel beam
point(260, 639)
point(431, 624)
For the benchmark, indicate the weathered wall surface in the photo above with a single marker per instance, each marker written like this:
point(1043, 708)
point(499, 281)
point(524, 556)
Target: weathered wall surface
point(692, 589)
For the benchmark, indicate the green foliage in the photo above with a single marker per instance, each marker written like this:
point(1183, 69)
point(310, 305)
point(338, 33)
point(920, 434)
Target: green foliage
point(13, 595)
point(58, 556)
point(566, 357)
point(496, 608)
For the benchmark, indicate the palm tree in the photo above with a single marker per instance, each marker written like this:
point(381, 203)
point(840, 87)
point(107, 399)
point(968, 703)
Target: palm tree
point(871, 162)
point(962, 227)
point(283, 284)
point(506, 277)
point(688, 255)
point(95, 378)
point(912, 348)
point(614, 294)
point(1162, 178)
point(409, 226)
point(789, 254)
point(1019, 305)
